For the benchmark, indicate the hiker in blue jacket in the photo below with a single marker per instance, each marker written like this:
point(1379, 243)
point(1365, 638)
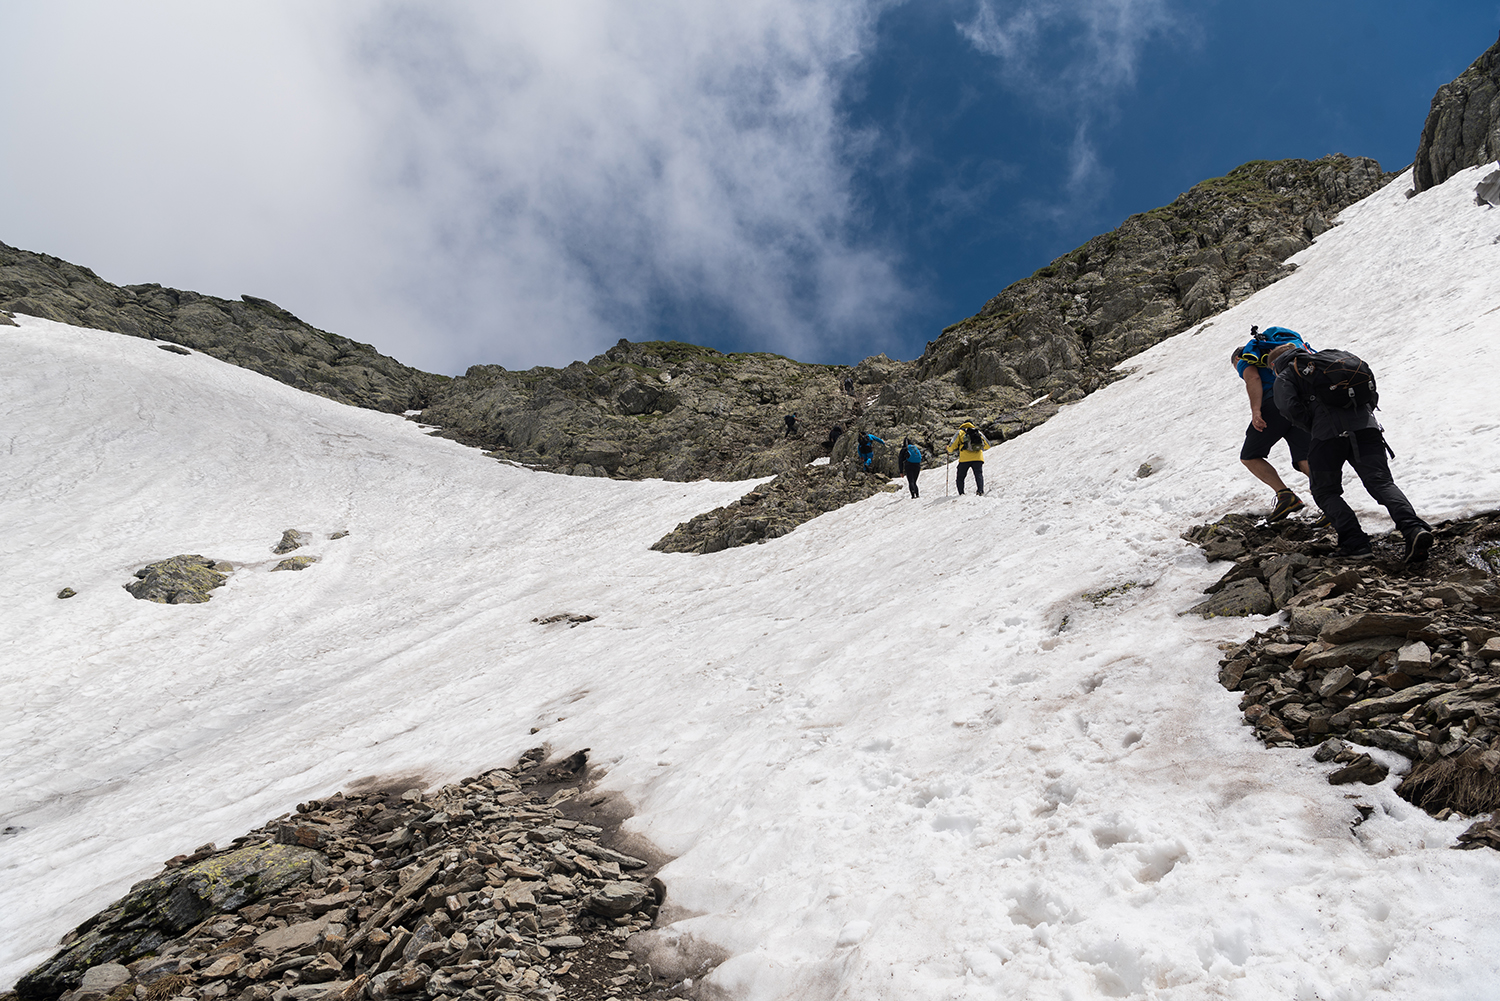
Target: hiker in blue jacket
point(867, 447)
point(1268, 424)
point(909, 464)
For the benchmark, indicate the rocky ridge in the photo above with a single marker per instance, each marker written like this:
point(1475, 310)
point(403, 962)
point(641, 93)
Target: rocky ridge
point(1463, 127)
point(501, 886)
point(252, 333)
point(1373, 654)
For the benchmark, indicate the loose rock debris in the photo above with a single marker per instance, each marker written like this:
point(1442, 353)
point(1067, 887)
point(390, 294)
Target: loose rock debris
point(1374, 653)
point(500, 887)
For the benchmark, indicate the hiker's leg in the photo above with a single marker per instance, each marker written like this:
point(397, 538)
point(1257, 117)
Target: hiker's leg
point(1374, 472)
point(963, 473)
point(912, 469)
point(1253, 454)
point(979, 478)
point(1266, 473)
point(1326, 464)
point(1298, 442)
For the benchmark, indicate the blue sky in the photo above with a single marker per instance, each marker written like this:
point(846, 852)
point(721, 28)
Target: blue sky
point(523, 184)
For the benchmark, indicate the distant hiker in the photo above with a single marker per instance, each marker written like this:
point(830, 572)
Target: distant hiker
point(1268, 424)
point(909, 464)
point(833, 436)
point(1332, 395)
point(791, 426)
point(849, 385)
point(867, 447)
point(970, 444)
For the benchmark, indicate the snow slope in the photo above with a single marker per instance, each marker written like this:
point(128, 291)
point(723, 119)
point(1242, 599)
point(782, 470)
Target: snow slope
point(897, 753)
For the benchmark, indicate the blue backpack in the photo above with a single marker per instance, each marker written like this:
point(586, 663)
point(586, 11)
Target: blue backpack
point(913, 455)
point(1262, 342)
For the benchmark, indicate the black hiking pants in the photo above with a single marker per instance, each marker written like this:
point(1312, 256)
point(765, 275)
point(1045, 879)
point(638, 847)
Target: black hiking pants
point(1364, 450)
point(913, 470)
point(963, 470)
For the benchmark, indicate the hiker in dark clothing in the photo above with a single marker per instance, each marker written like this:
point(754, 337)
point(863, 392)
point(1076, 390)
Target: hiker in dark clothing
point(867, 447)
point(791, 426)
point(834, 433)
point(849, 385)
point(1268, 424)
point(909, 464)
point(1345, 434)
point(970, 444)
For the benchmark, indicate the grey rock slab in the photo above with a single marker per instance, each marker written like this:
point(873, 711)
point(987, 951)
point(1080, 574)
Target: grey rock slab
point(290, 539)
point(1364, 625)
point(293, 936)
point(104, 978)
point(1335, 681)
point(597, 851)
point(1388, 740)
point(1415, 655)
point(1243, 597)
point(1360, 653)
point(1394, 703)
point(1462, 703)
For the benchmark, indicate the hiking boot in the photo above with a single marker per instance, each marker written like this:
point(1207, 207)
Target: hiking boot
point(1417, 545)
point(1322, 522)
point(1286, 503)
point(1357, 552)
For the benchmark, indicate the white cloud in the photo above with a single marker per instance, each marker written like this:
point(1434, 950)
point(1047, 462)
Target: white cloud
point(458, 182)
point(1072, 58)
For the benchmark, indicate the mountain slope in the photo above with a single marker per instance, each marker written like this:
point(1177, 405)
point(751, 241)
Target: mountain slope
point(900, 753)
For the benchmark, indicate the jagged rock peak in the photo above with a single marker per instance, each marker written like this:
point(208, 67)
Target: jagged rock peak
point(1463, 127)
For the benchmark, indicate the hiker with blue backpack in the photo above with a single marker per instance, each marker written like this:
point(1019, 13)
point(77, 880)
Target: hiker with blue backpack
point(970, 444)
point(909, 464)
point(1332, 395)
point(867, 447)
point(1268, 424)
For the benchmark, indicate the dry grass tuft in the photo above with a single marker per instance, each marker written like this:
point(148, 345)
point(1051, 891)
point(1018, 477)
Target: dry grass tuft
point(1460, 784)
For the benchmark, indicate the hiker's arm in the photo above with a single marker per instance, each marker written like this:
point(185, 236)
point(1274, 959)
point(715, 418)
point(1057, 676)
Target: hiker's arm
point(1289, 400)
point(1252, 386)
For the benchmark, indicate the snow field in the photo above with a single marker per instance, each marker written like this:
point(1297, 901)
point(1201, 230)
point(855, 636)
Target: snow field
point(898, 753)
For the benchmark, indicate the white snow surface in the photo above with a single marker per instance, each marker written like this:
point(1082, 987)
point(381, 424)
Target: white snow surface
point(896, 754)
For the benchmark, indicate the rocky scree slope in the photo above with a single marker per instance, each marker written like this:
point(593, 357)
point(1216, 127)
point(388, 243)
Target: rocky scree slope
point(253, 333)
point(502, 885)
point(1463, 128)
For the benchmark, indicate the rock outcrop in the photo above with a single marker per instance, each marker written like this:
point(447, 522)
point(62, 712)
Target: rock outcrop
point(774, 509)
point(180, 580)
point(1463, 128)
point(252, 333)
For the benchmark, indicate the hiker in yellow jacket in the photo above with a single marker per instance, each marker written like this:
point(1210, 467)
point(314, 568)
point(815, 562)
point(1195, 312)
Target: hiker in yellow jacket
point(970, 444)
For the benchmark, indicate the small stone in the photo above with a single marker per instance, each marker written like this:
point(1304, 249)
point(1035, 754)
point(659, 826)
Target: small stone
point(1362, 769)
point(224, 966)
point(66, 592)
point(1329, 749)
point(1241, 598)
point(616, 899)
point(295, 563)
point(290, 539)
point(1335, 681)
point(338, 535)
point(1415, 656)
point(564, 942)
point(1491, 650)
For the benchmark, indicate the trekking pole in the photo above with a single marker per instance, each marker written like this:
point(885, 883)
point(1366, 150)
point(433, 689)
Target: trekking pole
point(947, 462)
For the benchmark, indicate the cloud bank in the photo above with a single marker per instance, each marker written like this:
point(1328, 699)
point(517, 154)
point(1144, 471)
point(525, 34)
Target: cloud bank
point(459, 182)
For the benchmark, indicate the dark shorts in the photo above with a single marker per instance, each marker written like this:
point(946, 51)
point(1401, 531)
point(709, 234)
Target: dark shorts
point(1258, 443)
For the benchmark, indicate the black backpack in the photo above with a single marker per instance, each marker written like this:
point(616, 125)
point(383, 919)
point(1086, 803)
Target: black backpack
point(1336, 378)
point(973, 440)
